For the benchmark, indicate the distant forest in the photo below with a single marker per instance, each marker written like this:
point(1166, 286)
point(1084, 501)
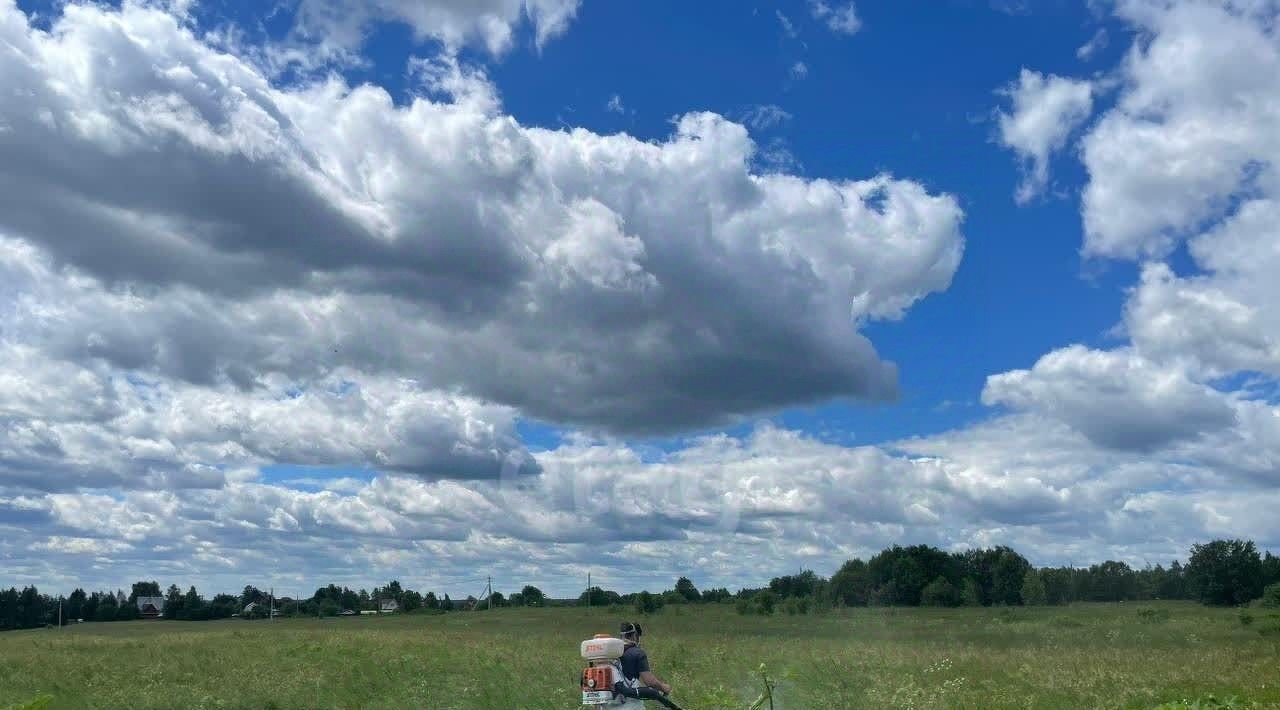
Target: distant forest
point(1222, 572)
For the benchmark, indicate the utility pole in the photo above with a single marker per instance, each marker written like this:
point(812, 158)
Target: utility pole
point(588, 590)
point(271, 606)
point(490, 578)
point(59, 613)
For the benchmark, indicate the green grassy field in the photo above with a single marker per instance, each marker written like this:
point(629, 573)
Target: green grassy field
point(1089, 656)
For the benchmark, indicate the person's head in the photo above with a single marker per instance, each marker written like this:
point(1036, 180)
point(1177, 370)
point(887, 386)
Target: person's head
point(630, 632)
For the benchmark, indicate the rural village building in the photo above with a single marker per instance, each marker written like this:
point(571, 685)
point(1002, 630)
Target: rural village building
point(151, 607)
point(256, 607)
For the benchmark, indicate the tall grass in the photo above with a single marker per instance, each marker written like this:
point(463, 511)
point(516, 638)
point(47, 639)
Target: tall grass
point(1089, 656)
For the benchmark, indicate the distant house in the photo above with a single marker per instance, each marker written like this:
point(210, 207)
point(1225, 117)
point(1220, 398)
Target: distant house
point(151, 607)
point(388, 606)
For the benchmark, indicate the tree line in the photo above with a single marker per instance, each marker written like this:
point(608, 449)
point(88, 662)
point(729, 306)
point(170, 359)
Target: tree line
point(28, 608)
point(1222, 572)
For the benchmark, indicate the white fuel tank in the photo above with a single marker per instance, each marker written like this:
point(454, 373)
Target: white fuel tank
point(602, 648)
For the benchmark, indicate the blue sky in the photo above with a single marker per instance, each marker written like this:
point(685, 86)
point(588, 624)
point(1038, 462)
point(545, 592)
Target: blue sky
point(456, 285)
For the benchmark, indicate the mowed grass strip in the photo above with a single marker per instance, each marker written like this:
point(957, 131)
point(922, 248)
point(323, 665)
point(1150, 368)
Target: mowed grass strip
point(1084, 656)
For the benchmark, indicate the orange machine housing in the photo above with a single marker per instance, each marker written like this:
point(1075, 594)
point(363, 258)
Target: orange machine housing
point(597, 678)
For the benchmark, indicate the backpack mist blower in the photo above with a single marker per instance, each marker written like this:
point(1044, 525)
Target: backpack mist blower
point(603, 683)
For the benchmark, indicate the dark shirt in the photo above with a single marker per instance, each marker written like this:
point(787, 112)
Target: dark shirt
point(634, 662)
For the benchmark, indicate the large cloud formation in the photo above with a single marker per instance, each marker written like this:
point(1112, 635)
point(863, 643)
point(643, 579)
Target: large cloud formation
point(598, 280)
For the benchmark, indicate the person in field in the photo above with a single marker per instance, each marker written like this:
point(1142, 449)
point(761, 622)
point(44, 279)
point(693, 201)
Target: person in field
point(635, 662)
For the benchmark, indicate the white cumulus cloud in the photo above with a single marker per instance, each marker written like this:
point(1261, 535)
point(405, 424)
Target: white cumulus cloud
point(1118, 399)
point(1044, 112)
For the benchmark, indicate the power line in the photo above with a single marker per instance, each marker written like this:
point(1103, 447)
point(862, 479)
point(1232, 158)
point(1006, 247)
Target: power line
point(488, 593)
